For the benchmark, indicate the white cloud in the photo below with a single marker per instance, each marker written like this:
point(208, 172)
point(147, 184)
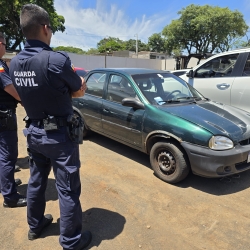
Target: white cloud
point(86, 27)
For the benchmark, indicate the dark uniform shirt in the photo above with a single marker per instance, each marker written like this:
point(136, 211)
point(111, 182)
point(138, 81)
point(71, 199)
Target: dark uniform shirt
point(61, 74)
point(44, 80)
point(6, 100)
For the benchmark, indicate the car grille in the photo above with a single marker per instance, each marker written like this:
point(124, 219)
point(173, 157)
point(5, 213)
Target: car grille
point(245, 142)
point(242, 165)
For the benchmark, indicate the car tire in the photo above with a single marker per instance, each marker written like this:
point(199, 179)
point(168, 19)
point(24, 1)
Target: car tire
point(169, 162)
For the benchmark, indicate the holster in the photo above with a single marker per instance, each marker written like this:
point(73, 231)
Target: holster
point(75, 128)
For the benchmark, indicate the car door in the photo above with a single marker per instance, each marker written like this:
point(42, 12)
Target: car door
point(120, 122)
point(240, 91)
point(214, 78)
point(91, 103)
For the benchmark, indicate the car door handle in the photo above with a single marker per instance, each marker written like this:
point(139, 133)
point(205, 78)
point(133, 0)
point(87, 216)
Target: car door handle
point(106, 111)
point(83, 104)
point(223, 86)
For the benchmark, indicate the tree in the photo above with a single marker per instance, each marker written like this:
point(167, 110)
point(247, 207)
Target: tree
point(69, 49)
point(157, 43)
point(110, 44)
point(202, 29)
point(131, 45)
point(10, 23)
point(92, 51)
point(240, 43)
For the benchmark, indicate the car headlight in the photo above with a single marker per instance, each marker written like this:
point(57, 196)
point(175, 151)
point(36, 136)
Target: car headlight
point(220, 143)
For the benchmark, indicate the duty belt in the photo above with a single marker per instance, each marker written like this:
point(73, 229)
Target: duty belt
point(73, 123)
point(49, 123)
point(59, 121)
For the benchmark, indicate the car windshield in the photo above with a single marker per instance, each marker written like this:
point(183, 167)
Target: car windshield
point(165, 88)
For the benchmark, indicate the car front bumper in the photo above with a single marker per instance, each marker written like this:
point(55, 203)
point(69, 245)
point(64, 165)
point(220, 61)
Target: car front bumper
point(211, 163)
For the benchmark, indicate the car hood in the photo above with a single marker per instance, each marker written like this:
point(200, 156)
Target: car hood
point(215, 117)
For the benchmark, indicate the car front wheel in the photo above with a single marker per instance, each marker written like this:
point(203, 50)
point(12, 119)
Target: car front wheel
point(168, 162)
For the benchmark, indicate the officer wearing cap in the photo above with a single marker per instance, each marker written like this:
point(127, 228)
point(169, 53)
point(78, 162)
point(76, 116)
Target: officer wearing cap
point(46, 82)
point(8, 135)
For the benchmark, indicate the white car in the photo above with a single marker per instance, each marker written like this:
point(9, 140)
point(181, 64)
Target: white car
point(224, 77)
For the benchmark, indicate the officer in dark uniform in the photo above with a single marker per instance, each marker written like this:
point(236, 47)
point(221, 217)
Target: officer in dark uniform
point(46, 82)
point(8, 135)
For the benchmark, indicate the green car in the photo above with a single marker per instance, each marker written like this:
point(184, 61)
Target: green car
point(158, 113)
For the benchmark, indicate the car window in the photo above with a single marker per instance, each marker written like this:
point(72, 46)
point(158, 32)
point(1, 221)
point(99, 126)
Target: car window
point(246, 71)
point(119, 88)
point(165, 88)
point(95, 84)
point(170, 84)
point(218, 67)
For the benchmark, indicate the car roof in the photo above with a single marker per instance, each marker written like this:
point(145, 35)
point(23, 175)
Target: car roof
point(133, 71)
point(229, 52)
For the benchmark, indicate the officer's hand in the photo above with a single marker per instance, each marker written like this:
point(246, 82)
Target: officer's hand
point(84, 86)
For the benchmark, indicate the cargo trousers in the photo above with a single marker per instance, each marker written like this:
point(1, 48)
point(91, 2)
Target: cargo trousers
point(54, 149)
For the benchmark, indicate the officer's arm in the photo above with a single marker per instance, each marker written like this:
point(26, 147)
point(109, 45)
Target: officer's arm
point(81, 91)
point(12, 91)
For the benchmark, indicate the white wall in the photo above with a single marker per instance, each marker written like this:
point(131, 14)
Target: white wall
point(93, 62)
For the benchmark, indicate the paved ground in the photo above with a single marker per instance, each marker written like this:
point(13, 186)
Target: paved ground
point(127, 207)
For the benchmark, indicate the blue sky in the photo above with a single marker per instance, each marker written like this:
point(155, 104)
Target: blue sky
point(89, 21)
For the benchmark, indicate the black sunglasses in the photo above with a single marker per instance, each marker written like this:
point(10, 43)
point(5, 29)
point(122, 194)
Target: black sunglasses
point(47, 26)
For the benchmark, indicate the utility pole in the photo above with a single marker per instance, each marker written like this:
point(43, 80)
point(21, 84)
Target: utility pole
point(165, 55)
point(105, 56)
point(136, 45)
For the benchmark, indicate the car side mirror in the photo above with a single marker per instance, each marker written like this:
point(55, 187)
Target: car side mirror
point(132, 102)
point(190, 74)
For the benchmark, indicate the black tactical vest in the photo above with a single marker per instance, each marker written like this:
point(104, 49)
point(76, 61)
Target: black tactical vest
point(39, 98)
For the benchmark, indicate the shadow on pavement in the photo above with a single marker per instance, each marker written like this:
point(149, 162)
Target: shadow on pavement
point(103, 224)
point(121, 149)
point(51, 192)
point(218, 186)
point(215, 186)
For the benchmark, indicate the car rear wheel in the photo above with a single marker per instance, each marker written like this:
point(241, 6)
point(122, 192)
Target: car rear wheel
point(169, 162)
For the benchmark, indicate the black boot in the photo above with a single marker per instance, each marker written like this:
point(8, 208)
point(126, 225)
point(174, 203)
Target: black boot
point(20, 202)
